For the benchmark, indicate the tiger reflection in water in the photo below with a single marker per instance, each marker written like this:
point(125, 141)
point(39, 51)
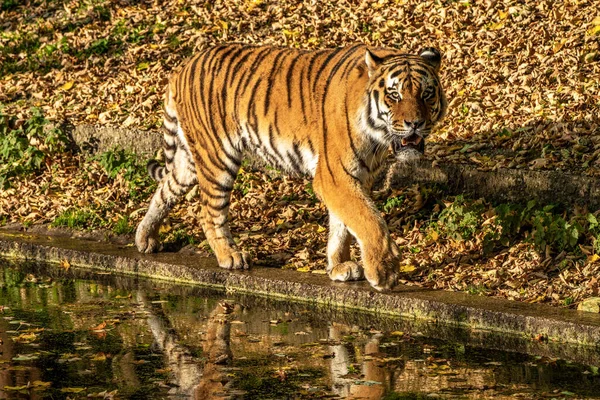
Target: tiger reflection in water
point(210, 380)
point(192, 379)
point(376, 378)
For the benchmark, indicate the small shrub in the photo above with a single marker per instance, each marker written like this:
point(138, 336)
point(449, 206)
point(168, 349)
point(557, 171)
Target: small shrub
point(119, 161)
point(24, 150)
point(461, 220)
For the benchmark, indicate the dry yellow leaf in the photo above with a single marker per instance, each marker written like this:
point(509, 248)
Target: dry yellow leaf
point(64, 264)
point(593, 31)
point(592, 259)
point(68, 85)
point(407, 268)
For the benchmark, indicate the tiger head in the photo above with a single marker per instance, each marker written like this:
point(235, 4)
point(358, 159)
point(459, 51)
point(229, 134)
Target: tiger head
point(404, 100)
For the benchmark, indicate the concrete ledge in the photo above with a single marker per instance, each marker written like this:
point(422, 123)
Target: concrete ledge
point(448, 308)
point(506, 185)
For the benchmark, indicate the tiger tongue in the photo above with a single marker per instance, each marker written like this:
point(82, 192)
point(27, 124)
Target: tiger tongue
point(412, 139)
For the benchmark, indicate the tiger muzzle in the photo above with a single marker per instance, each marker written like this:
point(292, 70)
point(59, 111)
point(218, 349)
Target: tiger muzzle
point(411, 142)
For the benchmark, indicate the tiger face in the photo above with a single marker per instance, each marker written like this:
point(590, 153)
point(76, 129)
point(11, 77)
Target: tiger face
point(404, 100)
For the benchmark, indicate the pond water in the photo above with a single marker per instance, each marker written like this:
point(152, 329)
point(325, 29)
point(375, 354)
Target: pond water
point(66, 334)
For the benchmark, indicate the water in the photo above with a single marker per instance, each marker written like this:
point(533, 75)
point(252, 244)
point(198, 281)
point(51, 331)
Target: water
point(66, 335)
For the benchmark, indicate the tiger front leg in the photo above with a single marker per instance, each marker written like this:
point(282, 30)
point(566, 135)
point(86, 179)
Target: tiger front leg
point(340, 266)
point(348, 201)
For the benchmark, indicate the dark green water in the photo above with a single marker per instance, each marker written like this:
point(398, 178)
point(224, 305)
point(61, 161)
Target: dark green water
point(66, 335)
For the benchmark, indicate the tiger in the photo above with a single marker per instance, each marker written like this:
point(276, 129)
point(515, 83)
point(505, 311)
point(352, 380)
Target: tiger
point(329, 114)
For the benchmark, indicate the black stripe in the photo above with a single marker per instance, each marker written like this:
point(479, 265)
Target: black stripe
point(251, 71)
point(299, 156)
point(324, 64)
point(170, 118)
point(332, 73)
point(288, 79)
point(220, 196)
point(274, 69)
point(295, 165)
point(221, 112)
point(357, 155)
point(349, 173)
point(272, 144)
point(209, 178)
point(220, 207)
point(252, 105)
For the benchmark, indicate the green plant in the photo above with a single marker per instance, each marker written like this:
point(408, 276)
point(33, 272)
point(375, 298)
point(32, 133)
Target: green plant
point(8, 4)
point(393, 202)
point(120, 161)
point(77, 218)
point(461, 220)
point(123, 227)
point(183, 238)
point(24, 150)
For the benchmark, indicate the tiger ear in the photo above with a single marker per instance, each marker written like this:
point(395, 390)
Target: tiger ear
point(373, 62)
point(432, 56)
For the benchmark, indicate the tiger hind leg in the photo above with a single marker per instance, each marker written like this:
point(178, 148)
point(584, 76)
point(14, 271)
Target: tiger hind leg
point(215, 183)
point(340, 267)
point(175, 180)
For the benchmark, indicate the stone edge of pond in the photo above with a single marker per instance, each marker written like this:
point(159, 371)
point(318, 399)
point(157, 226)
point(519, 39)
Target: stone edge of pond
point(450, 308)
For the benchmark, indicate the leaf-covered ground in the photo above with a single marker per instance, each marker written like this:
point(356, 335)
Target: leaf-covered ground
point(523, 79)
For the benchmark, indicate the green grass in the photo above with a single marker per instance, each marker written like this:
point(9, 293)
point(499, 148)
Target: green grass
point(77, 219)
point(123, 226)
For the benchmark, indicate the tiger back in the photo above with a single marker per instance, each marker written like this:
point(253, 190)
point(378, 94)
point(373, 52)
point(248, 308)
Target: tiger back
point(330, 114)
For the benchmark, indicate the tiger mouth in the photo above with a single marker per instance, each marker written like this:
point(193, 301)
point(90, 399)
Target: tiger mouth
point(412, 143)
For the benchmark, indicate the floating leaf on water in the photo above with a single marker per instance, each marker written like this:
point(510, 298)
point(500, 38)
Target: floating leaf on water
point(25, 357)
point(366, 383)
point(72, 389)
point(99, 327)
point(99, 357)
point(25, 338)
point(15, 388)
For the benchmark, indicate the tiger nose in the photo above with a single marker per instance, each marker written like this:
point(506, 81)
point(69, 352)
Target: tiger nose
point(416, 124)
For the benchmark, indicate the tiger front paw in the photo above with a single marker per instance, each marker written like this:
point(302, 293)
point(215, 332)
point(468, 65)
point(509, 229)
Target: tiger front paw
point(235, 260)
point(383, 275)
point(346, 271)
point(145, 241)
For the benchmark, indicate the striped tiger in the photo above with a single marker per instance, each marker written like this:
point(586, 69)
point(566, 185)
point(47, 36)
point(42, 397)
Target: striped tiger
point(330, 114)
